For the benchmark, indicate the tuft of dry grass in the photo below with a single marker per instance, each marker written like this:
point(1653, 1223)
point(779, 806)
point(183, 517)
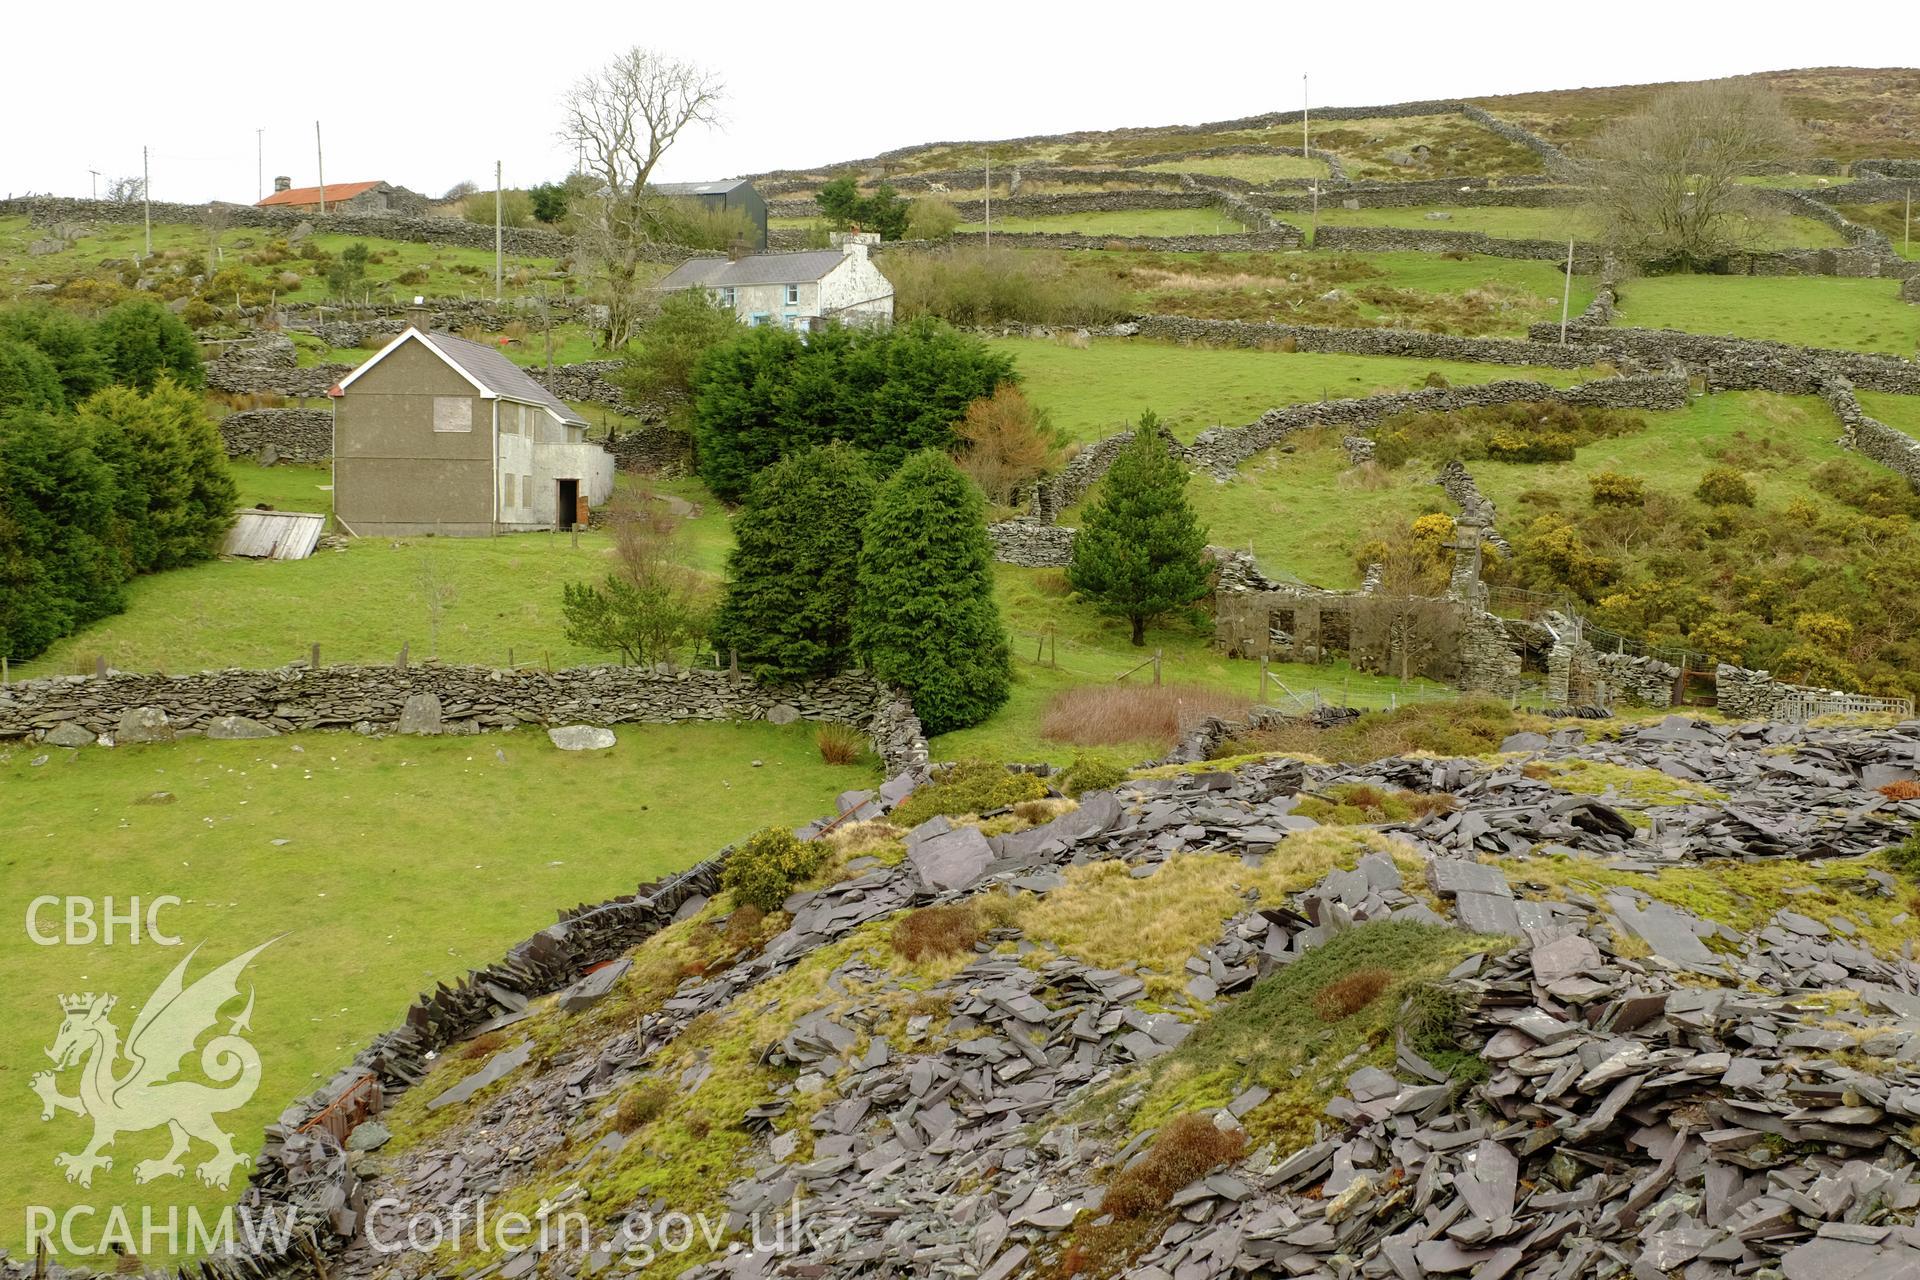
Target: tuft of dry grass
point(1904, 789)
point(1188, 1147)
point(1349, 995)
point(640, 1104)
point(483, 1044)
point(1151, 925)
point(933, 932)
point(1106, 715)
point(839, 743)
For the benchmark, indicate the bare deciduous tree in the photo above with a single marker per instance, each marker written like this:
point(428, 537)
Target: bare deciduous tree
point(623, 119)
point(1666, 180)
point(129, 190)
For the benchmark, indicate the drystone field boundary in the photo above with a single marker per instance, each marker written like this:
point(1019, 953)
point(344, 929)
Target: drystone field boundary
point(435, 699)
point(522, 241)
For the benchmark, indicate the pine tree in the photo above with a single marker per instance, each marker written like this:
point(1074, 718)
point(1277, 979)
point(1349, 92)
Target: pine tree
point(176, 495)
point(1140, 552)
point(926, 619)
point(789, 606)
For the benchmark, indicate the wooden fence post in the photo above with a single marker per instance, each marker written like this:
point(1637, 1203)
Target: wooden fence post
point(733, 667)
point(314, 661)
point(509, 657)
point(1156, 667)
point(4, 678)
point(400, 662)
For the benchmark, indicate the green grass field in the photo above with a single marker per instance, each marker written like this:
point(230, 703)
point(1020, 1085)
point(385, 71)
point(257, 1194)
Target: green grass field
point(1474, 295)
point(362, 603)
point(1308, 512)
point(1818, 311)
point(406, 862)
point(1896, 411)
point(450, 271)
point(1892, 218)
point(1550, 223)
point(1096, 390)
point(1122, 222)
point(1251, 167)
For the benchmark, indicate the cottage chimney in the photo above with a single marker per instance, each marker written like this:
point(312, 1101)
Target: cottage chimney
point(417, 314)
point(736, 249)
point(282, 184)
point(853, 244)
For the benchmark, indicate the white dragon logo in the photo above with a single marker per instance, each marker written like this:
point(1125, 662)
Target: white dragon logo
point(142, 1096)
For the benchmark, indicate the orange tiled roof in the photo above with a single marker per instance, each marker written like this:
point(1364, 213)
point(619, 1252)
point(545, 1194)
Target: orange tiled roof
point(311, 195)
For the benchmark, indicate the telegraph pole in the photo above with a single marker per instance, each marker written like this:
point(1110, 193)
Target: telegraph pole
point(1566, 293)
point(146, 198)
point(96, 182)
point(989, 197)
point(259, 164)
point(497, 198)
point(1303, 115)
point(320, 164)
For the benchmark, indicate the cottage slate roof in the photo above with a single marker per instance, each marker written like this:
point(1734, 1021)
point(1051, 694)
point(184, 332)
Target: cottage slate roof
point(311, 195)
point(500, 375)
point(758, 268)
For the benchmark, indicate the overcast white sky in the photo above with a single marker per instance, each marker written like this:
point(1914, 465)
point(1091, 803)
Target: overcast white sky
point(428, 95)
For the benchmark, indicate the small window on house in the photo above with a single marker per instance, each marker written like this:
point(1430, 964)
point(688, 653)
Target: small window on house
point(726, 297)
point(452, 413)
point(793, 295)
point(506, 491)
point(526, 491)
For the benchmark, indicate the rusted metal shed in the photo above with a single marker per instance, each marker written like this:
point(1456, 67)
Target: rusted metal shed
point(274, 535)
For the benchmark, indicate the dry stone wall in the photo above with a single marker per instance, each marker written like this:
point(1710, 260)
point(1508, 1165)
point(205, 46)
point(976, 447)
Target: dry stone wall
point(1558, 163)
point(1222, 450)
point(1030, 544)
point(1872, 438)
point(1465, 192)
point(658, 450)
point(290, 435)
point(268, 367)
point(463, 700)
point(521, 241)
point(1417, 240)
point(1416, 344)
point(1738, 364)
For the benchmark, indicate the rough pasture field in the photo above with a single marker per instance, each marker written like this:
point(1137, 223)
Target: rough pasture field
point(385, 866)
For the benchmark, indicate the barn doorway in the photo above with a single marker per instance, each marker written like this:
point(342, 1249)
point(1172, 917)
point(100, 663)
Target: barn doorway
point(566, 510)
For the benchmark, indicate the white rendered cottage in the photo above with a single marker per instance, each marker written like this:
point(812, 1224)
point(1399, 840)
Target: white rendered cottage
point(795, 290)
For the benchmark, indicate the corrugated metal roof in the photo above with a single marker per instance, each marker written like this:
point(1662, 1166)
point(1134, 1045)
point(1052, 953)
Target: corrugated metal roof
point(311, 195)
point(274, 535)
point(701, 188)
point(500, 375)
point(757, 268)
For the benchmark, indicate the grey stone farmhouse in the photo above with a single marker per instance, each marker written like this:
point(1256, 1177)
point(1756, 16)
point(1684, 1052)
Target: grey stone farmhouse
point(795, 290)
point(436, 434)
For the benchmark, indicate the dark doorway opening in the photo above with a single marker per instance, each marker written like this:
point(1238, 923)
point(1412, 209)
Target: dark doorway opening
point(566, 511)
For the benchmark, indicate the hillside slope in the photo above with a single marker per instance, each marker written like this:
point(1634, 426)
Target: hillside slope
point(1642, 1002)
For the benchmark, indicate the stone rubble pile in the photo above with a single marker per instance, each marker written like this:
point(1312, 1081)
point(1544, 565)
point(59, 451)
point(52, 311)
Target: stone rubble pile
point(1661, 1095)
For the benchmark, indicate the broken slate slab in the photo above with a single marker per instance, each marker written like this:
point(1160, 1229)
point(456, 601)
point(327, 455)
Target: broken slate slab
point(951, 861)
point(593, 988)
point(498, 1067)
